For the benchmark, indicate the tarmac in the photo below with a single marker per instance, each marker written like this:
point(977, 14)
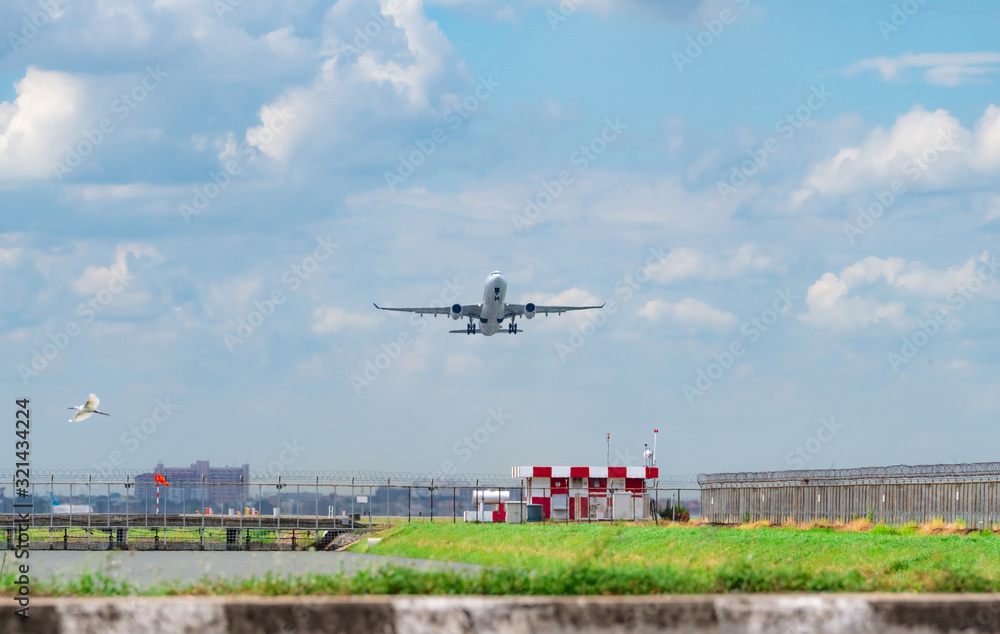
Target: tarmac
point(145, 569)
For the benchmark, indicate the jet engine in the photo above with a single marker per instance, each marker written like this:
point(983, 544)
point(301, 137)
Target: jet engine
point(529, 310)
point(456, 311)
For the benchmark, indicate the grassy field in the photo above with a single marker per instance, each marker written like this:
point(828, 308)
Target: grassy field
point(719, 559)
point(588, 559)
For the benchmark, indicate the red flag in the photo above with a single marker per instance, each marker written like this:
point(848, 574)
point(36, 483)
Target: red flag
point(160, 479)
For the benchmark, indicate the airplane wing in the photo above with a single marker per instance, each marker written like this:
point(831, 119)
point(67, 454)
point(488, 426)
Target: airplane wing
point(529, 309)
point(468, 310)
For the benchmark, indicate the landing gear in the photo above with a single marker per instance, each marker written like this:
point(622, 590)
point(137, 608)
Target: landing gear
point(512, 328)
point(471, 328)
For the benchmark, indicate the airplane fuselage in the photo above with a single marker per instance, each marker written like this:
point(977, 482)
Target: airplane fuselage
point(494, 306)
point(487, 317)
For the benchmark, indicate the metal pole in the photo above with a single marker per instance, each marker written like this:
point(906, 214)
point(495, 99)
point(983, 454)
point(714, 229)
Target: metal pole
point(454, 500)
point(409, 489)
point(90, 507)
point(432, 500)
point(352, 503)
point(388, 484)
point(316, 508)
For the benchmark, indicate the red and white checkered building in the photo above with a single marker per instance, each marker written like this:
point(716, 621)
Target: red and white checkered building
point(598, 493)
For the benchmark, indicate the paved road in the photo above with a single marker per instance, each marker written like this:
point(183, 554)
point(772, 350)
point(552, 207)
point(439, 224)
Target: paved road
point(145, 568)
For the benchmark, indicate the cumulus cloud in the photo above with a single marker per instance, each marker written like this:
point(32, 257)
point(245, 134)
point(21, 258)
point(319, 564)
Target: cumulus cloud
point(942, 69)
point(683, 263)
point(332, 319)
point(675, 12)
point(691, 313)
point(831, 304)
point(47, 113)
point(98, 278)
point(929, 148)
point(384, 62)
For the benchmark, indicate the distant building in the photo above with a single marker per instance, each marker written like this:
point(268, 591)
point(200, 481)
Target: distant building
point(582, 493)
point(224, 487)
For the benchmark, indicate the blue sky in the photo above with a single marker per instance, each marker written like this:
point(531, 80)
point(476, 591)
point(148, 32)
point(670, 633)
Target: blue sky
point(795, 223)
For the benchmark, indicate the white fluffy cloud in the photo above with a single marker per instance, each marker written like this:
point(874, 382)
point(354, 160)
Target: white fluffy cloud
point(98, 278)
point(691, 313)
point(929, 148)
point(831, 304)
point(942, 69)
point(384, 61)
point(47, 113)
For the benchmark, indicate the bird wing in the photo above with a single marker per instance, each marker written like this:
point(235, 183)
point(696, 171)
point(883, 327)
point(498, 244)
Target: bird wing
point(92, 402)
point(80, 416)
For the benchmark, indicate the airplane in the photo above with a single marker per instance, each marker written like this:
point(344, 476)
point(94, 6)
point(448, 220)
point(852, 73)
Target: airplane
point(491, 313)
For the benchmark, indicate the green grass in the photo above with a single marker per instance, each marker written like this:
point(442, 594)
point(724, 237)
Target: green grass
point(887, 558)
point(626, 559)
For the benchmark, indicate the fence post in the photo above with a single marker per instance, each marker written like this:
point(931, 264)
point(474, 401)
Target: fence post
point(388, 489)
point(454, 510)
point(432, 500)
point(90, 506)
point(243, 494)
point(656, 504)
point(409, 490)
point(203, 510)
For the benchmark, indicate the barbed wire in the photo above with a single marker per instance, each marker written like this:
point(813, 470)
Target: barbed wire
point(894, 473)
point(365, 477)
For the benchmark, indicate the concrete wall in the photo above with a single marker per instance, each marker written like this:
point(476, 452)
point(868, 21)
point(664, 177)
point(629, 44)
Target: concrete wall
point(723, 614)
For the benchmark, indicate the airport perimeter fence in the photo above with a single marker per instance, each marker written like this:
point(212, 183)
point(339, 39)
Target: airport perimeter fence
point(74, 510)
point(895, 495)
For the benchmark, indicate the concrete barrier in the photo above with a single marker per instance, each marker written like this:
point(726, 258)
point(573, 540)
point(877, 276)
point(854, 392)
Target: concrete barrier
point(722, 614)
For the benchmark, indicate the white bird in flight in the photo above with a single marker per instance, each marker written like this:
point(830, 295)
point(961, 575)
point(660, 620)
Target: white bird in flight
point(88, 408)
